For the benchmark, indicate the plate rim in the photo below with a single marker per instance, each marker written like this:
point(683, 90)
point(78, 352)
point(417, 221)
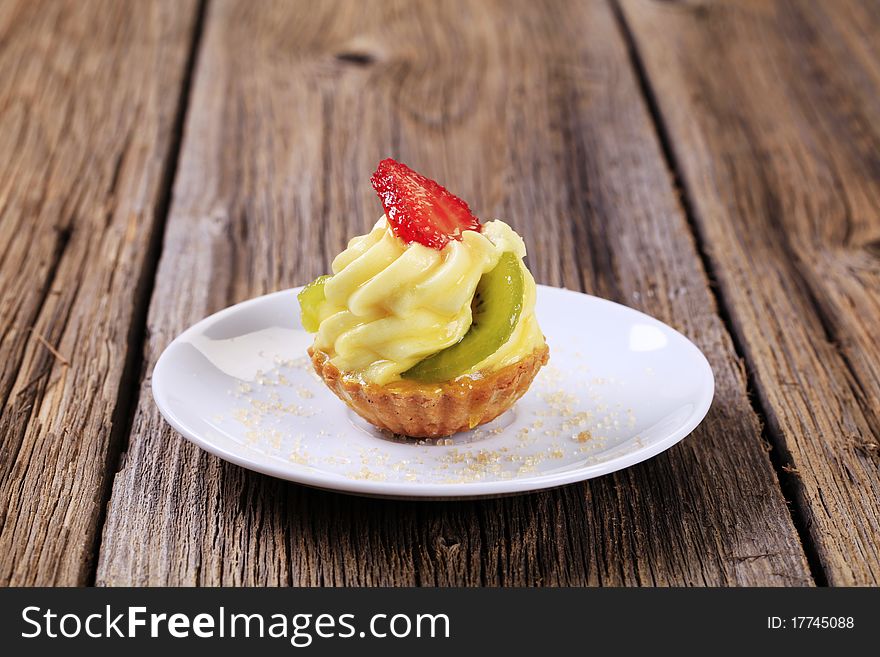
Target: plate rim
point(306, 475)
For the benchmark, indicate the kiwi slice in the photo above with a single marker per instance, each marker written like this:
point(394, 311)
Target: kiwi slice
point(495, 308)
point(310, 299)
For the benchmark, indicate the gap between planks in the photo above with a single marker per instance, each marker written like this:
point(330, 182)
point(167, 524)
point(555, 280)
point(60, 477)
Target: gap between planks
point(776, 448)
point(129, 384)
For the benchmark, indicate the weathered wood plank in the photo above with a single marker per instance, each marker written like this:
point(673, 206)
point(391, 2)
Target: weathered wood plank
point(88, 106)
point(533, 114)
point(773, 112)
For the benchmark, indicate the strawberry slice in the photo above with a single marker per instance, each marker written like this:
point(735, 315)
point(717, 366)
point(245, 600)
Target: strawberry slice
point(419, 209)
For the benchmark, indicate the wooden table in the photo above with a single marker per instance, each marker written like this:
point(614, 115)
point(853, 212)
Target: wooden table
point(715, 164)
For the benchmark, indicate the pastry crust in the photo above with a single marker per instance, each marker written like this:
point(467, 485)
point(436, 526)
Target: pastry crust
point(431, 410)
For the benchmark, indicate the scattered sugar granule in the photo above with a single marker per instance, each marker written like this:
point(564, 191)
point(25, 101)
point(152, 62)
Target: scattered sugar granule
point(583, 436)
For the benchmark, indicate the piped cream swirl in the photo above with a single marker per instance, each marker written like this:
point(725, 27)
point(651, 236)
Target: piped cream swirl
point(390, 304)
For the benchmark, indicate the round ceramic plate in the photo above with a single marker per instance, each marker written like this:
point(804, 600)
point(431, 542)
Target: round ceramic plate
point(620, 388)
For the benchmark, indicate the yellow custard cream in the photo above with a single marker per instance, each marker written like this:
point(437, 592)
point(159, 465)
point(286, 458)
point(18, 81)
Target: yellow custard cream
point(390, 304)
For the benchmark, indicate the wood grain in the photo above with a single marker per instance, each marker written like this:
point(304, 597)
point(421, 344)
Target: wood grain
point(533, 114)
point(87, 111)
point(773, 112)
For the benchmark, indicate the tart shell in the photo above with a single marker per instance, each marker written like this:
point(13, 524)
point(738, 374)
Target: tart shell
point(431, 410)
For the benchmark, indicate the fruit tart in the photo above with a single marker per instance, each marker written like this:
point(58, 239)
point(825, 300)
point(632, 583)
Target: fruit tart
point(427, 326)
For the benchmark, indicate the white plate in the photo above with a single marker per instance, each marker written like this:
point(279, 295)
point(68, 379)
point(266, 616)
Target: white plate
point(620, 388)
